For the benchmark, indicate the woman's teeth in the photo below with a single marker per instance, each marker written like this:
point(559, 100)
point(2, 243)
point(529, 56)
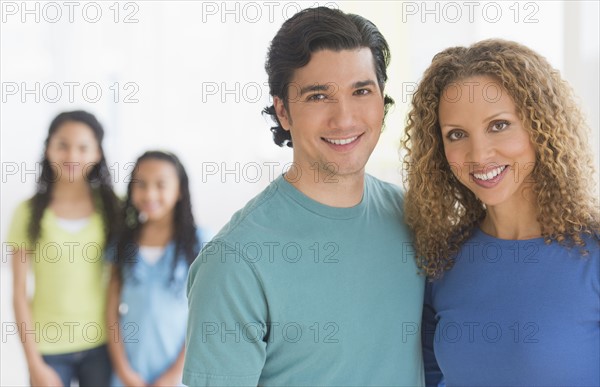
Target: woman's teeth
point(491, 174)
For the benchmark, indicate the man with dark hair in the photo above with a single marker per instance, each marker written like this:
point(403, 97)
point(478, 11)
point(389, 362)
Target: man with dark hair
point(312, 283)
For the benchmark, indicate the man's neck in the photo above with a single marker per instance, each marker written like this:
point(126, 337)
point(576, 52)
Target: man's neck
point(334, 190)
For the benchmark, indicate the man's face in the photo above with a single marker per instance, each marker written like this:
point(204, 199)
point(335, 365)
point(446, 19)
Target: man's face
point(335, 113)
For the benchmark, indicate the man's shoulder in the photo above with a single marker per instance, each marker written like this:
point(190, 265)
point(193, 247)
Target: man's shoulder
point(261, 211)
point(382, 185)
point(384, 193)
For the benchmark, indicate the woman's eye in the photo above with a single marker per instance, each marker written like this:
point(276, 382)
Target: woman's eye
point(500, 125)
point(455, 135)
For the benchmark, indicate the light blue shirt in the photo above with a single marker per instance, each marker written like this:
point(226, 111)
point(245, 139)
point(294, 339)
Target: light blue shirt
point(153, 314)
point(293, 292)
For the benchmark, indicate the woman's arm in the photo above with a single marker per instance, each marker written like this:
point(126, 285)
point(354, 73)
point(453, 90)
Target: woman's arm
point(116, 349)
point(433, 374)
point(172, 376)
point(40, 373)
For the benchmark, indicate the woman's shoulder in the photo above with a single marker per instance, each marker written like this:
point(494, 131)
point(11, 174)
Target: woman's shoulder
point(204, 234)
point(24, 206)
point(21, 216)
point(592, 241)
point(22, 211)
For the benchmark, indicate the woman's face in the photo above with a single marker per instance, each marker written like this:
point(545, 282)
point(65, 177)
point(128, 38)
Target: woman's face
point(484, 140)
point(155, 189)
point(73, 151)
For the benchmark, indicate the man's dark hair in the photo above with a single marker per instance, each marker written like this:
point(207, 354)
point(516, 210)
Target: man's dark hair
point(315, 29)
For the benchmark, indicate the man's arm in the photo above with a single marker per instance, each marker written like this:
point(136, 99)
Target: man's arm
point(227, 308)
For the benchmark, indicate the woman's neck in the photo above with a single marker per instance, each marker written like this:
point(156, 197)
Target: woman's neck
point(72, 200)
point(71, 191)
point(518, 221)
point(157, 232)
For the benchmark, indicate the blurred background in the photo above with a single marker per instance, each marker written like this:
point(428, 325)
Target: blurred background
point(188, 76)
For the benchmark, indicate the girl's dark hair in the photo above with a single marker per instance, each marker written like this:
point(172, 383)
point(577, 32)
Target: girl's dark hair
point(315, 29)
point(98, 178)
point(187, 244)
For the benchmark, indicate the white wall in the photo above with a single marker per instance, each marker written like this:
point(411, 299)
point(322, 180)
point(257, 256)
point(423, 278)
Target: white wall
point(175, 54)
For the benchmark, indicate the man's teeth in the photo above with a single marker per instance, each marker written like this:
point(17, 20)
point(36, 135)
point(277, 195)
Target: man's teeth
point(342, 142)
point(491, 174)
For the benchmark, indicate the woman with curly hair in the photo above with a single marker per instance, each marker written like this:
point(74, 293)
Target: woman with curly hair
point(505, 221)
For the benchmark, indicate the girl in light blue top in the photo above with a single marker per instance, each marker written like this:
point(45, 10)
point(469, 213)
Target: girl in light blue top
point(147, 305)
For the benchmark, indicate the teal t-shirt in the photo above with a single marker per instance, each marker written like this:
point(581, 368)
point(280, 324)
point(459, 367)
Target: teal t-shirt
point(294, 292)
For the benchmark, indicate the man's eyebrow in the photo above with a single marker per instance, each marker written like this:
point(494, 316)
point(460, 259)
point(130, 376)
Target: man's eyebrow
point(359, 84)
point(315, 87)
point(328, 86)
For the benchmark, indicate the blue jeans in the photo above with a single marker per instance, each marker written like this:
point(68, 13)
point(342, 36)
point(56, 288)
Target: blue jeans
point(90, 367)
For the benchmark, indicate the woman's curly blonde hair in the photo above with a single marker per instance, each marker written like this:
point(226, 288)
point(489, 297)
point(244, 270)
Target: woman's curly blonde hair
point(442, 212)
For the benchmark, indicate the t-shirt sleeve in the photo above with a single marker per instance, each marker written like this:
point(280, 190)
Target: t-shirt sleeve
point(227, 324)
point(17, 237)
point(433, 374)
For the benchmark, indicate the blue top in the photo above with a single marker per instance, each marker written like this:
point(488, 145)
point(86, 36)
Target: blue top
point(292, 292)
point(515, 313)
point(153, 314)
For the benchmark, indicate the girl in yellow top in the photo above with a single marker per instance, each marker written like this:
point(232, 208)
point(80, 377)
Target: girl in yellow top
point(60, 234)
